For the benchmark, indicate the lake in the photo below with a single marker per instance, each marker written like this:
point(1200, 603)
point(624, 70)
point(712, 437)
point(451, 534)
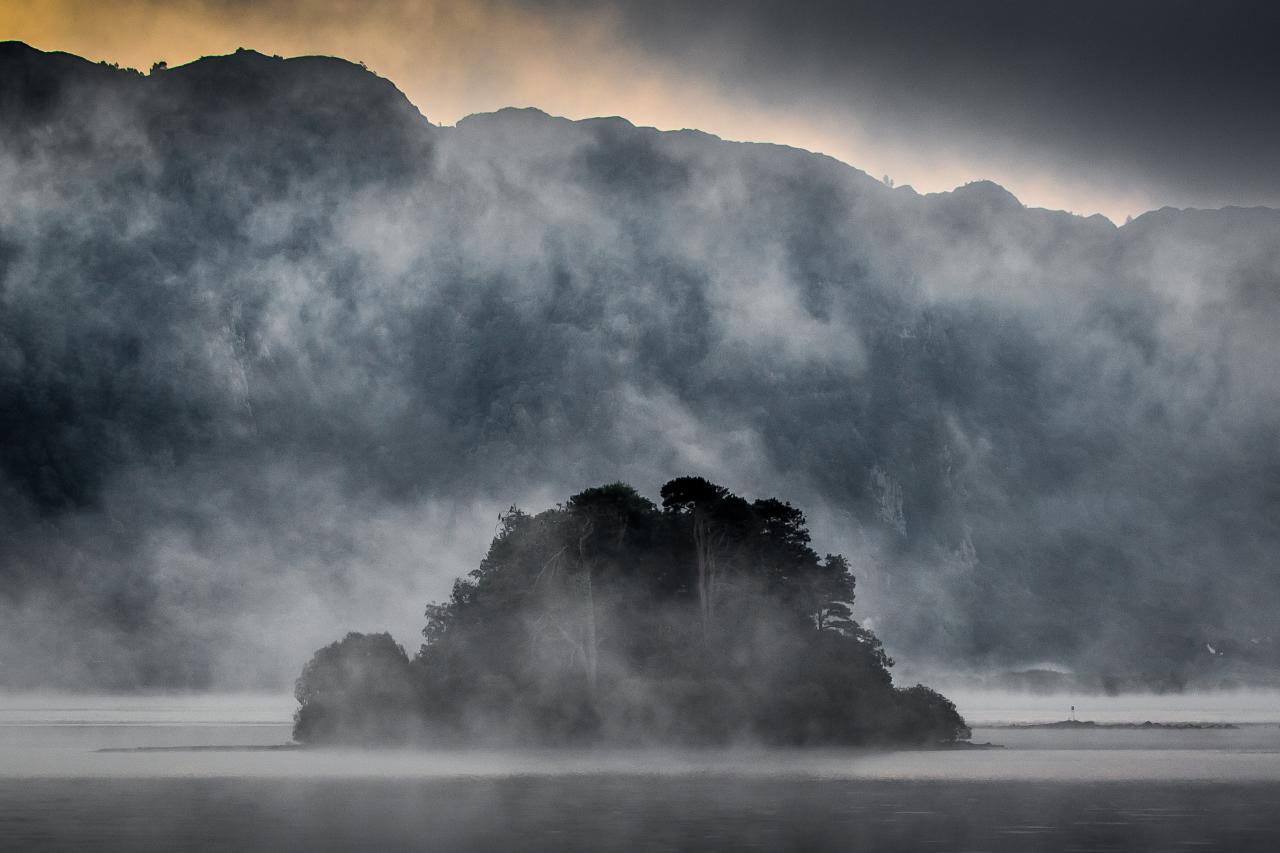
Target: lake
point(1059, 790)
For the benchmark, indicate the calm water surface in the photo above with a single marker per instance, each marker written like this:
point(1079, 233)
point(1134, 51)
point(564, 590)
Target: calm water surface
point(1047, 790)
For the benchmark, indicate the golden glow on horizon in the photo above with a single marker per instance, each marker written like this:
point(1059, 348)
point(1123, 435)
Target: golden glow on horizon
point(456, 58)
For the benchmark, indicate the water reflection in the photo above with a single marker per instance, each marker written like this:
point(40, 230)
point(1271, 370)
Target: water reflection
point(608, 813)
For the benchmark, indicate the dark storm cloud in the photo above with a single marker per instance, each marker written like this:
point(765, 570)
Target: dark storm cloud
point(1177, 96)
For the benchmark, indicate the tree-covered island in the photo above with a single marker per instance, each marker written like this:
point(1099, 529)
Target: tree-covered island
point(710, 620)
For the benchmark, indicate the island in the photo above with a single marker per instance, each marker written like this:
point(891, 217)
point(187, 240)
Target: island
point(609, 620)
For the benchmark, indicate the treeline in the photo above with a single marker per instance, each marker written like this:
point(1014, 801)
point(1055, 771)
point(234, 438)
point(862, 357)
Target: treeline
point(709, 620)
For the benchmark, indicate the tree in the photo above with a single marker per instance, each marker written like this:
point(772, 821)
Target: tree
point(926, 715)
point(360, 688)
point(713, 513)
point(603, 517)
point(830, 588)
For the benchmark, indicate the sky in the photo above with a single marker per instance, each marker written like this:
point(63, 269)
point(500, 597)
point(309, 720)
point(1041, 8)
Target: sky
point(1091, 107)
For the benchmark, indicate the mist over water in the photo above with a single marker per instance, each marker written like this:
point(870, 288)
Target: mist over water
point(1111, 790)
point(61, 735)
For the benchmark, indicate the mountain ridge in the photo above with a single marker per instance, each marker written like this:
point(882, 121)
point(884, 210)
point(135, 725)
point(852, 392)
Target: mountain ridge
point(243, 55)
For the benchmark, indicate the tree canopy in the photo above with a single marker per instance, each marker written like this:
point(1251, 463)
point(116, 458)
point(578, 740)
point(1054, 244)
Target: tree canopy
point(708, 620)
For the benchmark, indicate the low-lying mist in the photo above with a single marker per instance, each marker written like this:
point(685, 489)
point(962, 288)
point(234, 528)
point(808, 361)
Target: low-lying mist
point(275, 352)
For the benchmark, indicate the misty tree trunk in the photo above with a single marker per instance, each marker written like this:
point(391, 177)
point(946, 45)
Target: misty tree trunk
point(580, 639)
point(700, 551)
point(591, 636)
point(713, 574)
point(704, 547)
point(589, 651)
